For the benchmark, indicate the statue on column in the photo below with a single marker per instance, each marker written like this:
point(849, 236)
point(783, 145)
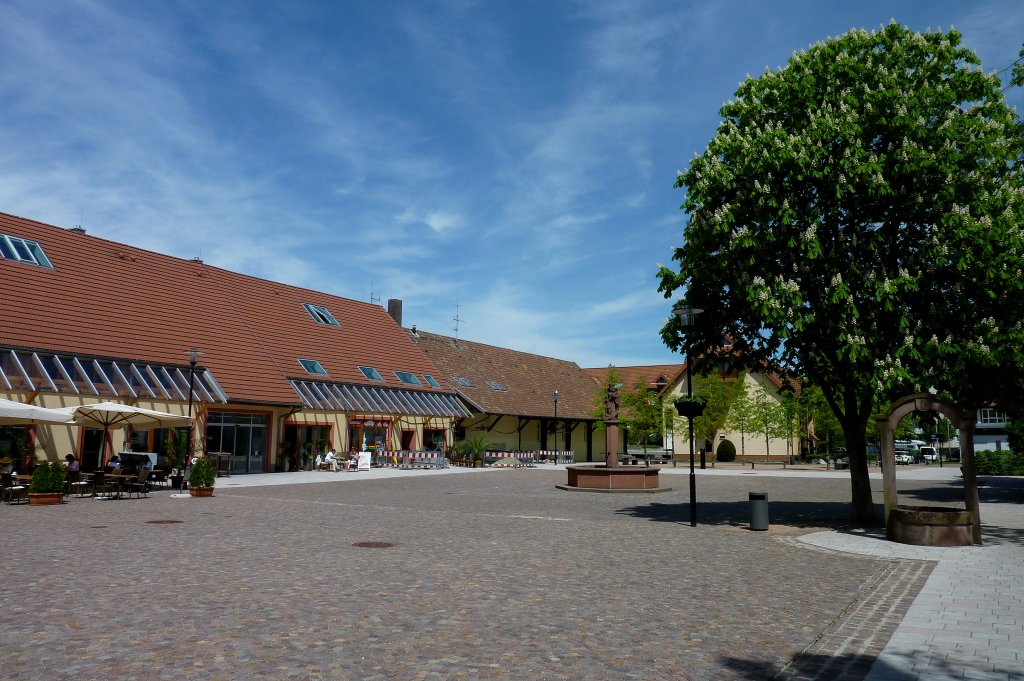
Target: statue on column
point(611, 426)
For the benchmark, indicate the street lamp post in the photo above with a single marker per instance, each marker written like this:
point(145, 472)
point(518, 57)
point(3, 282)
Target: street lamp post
point(555, 396)
point(686, 315)
point(193, 357)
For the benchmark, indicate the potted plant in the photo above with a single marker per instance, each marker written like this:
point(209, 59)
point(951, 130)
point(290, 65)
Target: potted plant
point(690, 406)
point(47, 484)
point(472, 451)
point(176, 450)
point(202, 477)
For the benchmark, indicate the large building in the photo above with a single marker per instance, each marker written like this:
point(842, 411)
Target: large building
point(518, 400)
point(282, 371)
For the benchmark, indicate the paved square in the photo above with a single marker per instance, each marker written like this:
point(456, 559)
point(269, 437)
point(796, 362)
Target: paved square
point(492, 575)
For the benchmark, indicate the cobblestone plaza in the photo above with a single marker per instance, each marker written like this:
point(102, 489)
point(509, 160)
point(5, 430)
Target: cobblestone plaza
point(471, 575)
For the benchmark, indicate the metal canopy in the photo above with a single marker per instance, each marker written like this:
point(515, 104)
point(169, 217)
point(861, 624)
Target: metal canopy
point(361, 398)
point(78, 374)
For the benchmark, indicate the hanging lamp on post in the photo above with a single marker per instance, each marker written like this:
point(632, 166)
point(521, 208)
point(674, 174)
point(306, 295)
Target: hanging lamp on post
point(687, 314)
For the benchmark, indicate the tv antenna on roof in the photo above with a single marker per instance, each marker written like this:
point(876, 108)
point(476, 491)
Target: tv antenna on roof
point(456, 318)
point(373, 299)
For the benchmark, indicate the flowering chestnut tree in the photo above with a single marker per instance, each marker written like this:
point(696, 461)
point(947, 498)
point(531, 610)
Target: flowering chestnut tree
point(856, 220)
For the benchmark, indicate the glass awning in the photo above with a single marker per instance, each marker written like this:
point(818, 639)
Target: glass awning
point(363, 398)
point(82, 375)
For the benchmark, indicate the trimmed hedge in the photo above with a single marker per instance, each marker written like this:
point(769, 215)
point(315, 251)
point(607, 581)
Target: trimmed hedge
point(726, 451)
point(999, 463)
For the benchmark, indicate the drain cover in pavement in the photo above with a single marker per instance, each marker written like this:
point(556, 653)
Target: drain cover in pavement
point(373, 544)
point(163, 522)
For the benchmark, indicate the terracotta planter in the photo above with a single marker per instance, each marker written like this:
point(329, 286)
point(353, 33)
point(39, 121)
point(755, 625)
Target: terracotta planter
point(45, 498)
point(201, 491)
point(690, 409)
point(478, 463)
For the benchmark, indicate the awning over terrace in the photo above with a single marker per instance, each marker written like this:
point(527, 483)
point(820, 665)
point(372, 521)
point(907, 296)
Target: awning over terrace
point(42, 371)
point(361, 398)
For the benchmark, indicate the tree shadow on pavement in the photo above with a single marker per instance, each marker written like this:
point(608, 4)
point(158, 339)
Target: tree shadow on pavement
point(804, 514)
point(991, 490)
point(854, 667)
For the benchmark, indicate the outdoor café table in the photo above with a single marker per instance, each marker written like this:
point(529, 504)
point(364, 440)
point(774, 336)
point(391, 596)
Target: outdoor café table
point(116, 482)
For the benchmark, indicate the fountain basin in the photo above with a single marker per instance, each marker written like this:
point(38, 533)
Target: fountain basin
point(601, 478)
point(930, 526)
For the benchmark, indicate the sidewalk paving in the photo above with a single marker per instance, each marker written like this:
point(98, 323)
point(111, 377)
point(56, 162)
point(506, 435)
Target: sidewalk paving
point(968, 620)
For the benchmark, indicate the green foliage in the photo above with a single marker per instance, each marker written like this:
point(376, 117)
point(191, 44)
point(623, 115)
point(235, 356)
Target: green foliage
point(1015, 433)
point(48, 477)
point(999, 463)
point(642, 415)
point(691, 399)
point(203, 473)
point(726, 451)
point(470, 449)
point(856, 220)
point(719, 394)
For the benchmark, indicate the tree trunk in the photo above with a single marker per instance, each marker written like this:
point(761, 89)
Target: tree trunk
point(863, 506)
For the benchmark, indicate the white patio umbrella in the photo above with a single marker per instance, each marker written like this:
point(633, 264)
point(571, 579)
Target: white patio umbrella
point(107, 415)
point(113, 415)
point(18, 413)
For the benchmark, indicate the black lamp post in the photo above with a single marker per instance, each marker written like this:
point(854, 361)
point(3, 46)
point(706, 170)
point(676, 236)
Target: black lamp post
point(554, 396)
point(193, 357)
point(686, 316)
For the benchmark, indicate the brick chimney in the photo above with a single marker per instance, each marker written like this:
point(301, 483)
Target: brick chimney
point(395, 309)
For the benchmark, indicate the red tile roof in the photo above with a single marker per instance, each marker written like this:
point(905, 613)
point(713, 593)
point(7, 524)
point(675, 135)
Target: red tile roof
point(108, 299)
point(530, 379)
point(648, 375)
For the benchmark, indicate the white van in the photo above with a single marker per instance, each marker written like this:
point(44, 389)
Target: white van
point(929, 454)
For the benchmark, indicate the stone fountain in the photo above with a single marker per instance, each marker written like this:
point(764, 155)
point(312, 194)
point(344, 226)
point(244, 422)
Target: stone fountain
point(610, 476)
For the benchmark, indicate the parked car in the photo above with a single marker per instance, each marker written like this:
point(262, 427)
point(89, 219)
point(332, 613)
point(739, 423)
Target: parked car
point(929, 454)
point(904, 458)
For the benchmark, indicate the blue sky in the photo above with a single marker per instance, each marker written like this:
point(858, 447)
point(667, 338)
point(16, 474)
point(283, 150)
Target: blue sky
point(514, 157)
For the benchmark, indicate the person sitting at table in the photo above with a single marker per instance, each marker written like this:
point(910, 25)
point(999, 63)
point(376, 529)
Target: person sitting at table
point(71, 463)
point(113, 465)
point(7, 465)
point(331, 459)
point(350, 459)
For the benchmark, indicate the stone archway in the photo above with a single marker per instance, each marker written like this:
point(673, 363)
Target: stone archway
point(964, 423)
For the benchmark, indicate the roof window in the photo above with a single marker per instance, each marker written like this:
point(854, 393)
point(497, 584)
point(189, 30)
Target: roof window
point(497, 386)
point(464, 382)
point(313, 367)
point(408, 378)
point(23, 250)
point(321, 314)
point(431, 381)
point(371, 374)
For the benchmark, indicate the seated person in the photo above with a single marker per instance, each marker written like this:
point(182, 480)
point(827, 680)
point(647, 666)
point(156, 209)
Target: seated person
point(351, 460)
point(317, 461)
point(331, 460)
point(113, 465)
point(71, 463)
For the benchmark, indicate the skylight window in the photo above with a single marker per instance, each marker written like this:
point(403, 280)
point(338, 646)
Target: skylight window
point(497, 386)
point(431, 381)
point(408, 378)
point(313, 367)
point(321, 314)
point(371, 374)
point(23, 250)
point(464, 382)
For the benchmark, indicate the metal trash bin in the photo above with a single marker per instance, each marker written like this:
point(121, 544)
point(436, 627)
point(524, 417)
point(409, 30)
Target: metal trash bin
point(759, 510)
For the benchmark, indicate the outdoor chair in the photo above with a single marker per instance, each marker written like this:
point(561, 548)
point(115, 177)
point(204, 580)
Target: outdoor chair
point(75, 485)
point(139, 486)
point(11, 492)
